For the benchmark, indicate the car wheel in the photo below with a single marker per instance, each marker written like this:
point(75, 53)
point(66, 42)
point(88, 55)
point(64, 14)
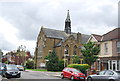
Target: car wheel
point(18, 76)
point(89, 79)
point(8, 77)
point(3, 75)
point(62, 76)
point(111, 80)
point(72, 78)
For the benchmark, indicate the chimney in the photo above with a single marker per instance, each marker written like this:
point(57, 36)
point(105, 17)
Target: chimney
point(79, 37)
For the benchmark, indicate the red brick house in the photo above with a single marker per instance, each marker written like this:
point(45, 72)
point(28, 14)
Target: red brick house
point(18, 58)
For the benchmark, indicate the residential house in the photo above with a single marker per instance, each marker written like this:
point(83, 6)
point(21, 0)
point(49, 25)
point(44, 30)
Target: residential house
point(109, 56)
point(17, 57)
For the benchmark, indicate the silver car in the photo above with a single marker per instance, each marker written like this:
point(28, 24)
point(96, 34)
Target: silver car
point(105, 75)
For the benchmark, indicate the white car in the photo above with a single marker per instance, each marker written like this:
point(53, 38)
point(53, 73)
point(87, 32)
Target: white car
point(105, 75)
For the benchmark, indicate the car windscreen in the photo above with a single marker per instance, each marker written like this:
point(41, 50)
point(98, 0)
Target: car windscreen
point(10, 67)
point(75, 70)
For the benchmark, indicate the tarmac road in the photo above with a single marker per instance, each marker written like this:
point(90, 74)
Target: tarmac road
point(36, 76)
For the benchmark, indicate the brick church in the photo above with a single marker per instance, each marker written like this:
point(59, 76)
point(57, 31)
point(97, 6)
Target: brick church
point(66, 44)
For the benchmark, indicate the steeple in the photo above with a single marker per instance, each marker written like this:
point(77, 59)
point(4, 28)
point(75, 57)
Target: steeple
point(68, 24)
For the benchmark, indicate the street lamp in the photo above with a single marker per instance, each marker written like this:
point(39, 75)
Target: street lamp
point(64, 57)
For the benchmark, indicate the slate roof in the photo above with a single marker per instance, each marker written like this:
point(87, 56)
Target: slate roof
point(111, 35)
point(114, 34)
point(52, 33)
point(97, 37)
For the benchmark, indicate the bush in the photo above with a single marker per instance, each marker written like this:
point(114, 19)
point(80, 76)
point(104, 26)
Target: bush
point(30, 64)
point(81, 67)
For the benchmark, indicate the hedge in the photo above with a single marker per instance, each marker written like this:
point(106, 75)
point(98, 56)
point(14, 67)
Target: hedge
point(81, 67)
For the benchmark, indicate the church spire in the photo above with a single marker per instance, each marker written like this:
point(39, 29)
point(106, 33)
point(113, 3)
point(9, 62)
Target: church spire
point(68, 17)
point(68, 24)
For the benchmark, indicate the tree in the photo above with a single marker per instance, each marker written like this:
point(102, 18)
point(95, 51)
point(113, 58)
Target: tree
point(30, 64)
point(90, 52)
point(1, 54)
point(76, 59)
point(60, 65)
point(52, 61)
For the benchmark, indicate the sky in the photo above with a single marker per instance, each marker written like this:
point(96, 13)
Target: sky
point(21, 20)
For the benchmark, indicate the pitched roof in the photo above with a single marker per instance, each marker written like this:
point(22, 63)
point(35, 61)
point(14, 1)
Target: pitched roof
point(52, 33)
point(114, 34)
point(97, 37)
point(111, 35)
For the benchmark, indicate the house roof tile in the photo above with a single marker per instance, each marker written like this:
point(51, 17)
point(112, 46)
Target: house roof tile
point(52, 33)
point(97, 37)
point(114, 34)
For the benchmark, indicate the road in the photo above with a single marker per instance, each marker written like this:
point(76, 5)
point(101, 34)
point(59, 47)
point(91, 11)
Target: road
point(36, 76)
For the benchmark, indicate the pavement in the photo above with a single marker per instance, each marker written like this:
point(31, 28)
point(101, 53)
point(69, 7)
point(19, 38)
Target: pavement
point(29, 75)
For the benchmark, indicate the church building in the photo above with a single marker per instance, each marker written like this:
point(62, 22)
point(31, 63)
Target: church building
point(66, 44)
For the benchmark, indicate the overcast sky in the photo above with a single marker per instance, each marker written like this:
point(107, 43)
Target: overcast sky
point(21, 20)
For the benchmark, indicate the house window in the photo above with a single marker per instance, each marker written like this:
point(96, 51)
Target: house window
point(98, 65)
point(50, 51)
point(66, 49)
point(40, 51)
point(92, 67)
point(82, 62)
point(75, 50)
point(106, 47)
point(118, 47)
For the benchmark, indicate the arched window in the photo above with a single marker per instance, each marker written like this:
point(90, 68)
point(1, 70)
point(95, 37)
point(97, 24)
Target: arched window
point(66, 49)
point(75, 50)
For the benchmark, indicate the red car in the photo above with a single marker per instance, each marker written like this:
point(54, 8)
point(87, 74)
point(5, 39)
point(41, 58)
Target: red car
point(72, 74)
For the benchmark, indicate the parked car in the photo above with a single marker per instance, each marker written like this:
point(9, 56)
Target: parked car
point(20, 67)
point(105, 75)
point(73, 74)
point(2, 65)
point(10, 71)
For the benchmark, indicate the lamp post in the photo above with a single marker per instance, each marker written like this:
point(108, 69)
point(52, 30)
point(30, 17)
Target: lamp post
point(64, 60)
point(64, 57)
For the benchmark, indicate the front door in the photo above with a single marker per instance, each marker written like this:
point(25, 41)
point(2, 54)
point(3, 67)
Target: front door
point(114, 65)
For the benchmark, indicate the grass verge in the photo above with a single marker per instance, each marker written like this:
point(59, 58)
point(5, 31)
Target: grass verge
point(37, 69)
point(42, 70)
